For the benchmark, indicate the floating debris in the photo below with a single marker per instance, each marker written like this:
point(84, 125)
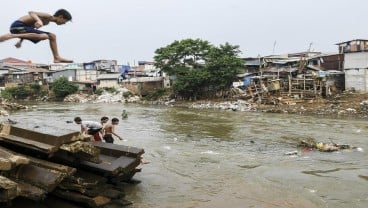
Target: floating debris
point(292, 153)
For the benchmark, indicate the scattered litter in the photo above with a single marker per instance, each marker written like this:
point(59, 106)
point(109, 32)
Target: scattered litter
point(291, 153)
point(324, 147)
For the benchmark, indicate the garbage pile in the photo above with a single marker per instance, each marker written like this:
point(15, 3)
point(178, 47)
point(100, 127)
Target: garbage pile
point(323, 147)
point(311, 143)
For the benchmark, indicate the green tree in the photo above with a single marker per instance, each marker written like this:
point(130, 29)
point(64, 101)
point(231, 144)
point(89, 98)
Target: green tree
point(224, 64)
point(190, 83)
point(26, 91)
point(61, 87)
point(15, 93)
point(186, 53)
point(199, 67)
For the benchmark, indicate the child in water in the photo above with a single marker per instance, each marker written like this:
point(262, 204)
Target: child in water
point(109, 130)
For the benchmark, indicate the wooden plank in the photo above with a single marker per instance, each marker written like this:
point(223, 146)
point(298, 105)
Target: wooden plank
point(29, 144)
point(45, 138)
point(73, 159)
point(42, 175)
point(31, 192)
point(115, 150)
point(125, 177)
point(9, 160)
point(8, 189)
point(66, 170)
point(5, 164)
point(92, 190)
point(92, 202)
point(82, 150)
point(82, 181)
point(38, 176)
point(24, 159)
point(112, 166)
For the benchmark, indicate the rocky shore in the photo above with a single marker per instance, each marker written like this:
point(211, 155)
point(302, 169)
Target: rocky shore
point(345, 105)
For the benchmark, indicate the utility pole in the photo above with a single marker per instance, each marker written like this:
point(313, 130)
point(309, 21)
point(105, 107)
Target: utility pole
point(310, 46)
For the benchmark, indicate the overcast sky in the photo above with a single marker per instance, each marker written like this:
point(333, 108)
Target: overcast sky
point(130, 31)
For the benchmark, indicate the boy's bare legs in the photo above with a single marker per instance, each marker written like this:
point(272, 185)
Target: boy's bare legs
point(55, 53)
point(6, 37)
point(35, 36)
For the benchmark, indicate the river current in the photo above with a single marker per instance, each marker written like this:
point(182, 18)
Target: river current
point(213, 158)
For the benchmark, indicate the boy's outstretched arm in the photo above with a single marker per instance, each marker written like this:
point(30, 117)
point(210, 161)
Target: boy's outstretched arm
point(117, 136)
point(113, 132)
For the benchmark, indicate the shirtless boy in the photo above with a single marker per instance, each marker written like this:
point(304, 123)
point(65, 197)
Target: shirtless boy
point(109, 130)
point(27, 26)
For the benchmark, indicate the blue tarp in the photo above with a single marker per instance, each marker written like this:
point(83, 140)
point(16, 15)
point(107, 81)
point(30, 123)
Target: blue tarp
point(247, 81)
point(124, 69)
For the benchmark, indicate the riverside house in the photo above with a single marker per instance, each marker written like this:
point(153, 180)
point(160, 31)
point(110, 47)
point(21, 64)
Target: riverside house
point(355, 64)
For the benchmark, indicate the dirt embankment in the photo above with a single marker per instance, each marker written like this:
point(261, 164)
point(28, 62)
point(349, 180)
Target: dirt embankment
point(347, 104)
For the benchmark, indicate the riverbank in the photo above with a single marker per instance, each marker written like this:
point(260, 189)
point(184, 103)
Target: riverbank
point(344, 105)
point(348, 104)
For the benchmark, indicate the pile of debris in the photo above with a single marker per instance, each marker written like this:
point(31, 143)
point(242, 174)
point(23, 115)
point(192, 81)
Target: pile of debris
point(323, 147)
point(6, 106)
point(34, 165)
point(79, 98)
point(121, 95)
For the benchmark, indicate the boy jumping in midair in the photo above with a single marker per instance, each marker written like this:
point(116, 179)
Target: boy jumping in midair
point(27, 26)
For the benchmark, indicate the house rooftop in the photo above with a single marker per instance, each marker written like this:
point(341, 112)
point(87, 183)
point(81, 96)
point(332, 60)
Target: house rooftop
point(351, 41)
point(15, 61)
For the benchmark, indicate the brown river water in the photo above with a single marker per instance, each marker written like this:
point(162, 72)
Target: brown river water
point(212, 158)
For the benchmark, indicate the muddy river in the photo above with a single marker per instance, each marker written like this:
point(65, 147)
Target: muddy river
point(206, 158)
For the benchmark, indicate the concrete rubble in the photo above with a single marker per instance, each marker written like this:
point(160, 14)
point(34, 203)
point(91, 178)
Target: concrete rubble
point(344, 104)
point(34, 165)
point(106, 97)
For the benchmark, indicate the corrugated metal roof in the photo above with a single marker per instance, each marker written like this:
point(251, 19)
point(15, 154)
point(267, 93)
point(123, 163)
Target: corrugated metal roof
point(281, 69)
point(334, 72)
point(351, 41)
point(316, 68)
point(285, 61)
point(39, 70)
point(255, 62)
point(244, 75)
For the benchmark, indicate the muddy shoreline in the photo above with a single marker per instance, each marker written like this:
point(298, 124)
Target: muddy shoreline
point(348, 105)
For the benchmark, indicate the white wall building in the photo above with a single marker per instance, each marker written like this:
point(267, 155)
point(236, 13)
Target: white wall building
point(356, 71)
point(355, 64)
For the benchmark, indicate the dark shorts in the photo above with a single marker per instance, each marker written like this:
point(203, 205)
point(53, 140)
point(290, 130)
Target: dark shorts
point(19, 27)
point(108, 138)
